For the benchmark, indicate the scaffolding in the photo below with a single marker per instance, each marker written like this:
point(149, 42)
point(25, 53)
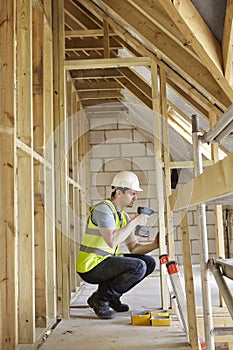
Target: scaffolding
point(203, 188)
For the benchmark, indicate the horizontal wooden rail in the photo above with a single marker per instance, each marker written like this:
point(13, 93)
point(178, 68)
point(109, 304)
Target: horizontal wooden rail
point(215, 182)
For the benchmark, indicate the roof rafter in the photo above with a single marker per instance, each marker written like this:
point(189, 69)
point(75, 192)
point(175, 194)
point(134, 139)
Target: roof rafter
point(153, 37)
point(107, 63)
point(227, 44)
point(199, 36)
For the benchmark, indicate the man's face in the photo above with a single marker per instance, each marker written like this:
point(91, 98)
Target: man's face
point(130, 198)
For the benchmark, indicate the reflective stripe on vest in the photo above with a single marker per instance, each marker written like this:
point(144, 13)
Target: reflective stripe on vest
point(94, 248)
point(97, 251)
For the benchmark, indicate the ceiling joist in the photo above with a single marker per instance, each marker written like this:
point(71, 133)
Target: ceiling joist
point(107, 63)
point(227, 43)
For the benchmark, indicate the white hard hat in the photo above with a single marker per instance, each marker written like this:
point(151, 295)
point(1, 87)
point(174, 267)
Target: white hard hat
point(126, 179)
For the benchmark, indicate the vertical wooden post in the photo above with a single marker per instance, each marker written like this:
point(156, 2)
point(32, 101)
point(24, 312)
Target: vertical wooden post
point(49, 201)
point(189, 288)
point(38, 138)
point(166, 155)
point(26, 269)
point(218, 215)
point(220, 246)
point(76, 195)
point(8, 229)
point(106, 39)
point(159, 174)
point(81, 174)
point(61, 209)
point(71, 137)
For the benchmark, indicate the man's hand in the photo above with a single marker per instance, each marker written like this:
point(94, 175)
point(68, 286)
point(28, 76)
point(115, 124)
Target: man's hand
point(141, 219)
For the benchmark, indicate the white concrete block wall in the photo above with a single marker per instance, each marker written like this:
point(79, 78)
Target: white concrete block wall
point(117, 146)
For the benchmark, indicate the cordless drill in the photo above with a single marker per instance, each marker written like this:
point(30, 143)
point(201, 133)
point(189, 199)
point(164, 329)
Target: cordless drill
point(143, 231)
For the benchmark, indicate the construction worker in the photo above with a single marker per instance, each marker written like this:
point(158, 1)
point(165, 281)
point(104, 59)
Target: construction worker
point(98, 261)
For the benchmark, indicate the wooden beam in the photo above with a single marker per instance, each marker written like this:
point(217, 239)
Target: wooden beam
point(218, 213)
point(197, 33)
point(38, 143)
point(79, 17)
point(167, 161)
point(159, 175)
point(49, 195)
point(137, 80)
point(26, 267)
point(84, 74)
point(167, 49)
point(106, 109)
point(8, 233)
point(227, 43)
point(181, 92)
point(107, 63)
point(111, 84)
point(155, 12)
point(107, 44)
point(37, 4)
point(188, 164)
point(215, 182)
point(103, 94)
point(86, 33)
point(100, 102)
point(207, 86)
point(188, 275)
point(129, 85)
point(86, 44)
point(62, 246)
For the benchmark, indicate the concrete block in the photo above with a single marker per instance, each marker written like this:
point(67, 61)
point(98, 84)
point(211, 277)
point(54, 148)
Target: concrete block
point(102, 179)
point(119, 136)
point(105, 151)
point(150, 149)
point(124, 124)
point(139, 137)
point(151, 177)
point(195, 247)
point(96, 165)
point(193, 232)
point(211, 231)
point(151, 191)
point(179, 259)
point(145, 163)
point(212, 246)
point(195, 217)
point(210, 217)
point(176, 218)
point(153, 204)
point(97, 193)
point(103, 123)
point(178, 247)
point(195, 259)
point(190, 218)
point(118, 164)
point(96, 137)
point(134, 149)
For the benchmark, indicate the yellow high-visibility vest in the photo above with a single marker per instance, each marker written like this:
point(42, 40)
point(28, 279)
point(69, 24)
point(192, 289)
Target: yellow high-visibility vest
point(94, 249)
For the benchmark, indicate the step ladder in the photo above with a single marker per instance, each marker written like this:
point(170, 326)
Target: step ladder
point(177, 293)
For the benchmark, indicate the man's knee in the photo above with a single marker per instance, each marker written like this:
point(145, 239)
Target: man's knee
point(151, 264)
point(141, 267)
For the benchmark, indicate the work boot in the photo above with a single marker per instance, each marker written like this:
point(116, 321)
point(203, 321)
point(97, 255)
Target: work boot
point(100, 307)
point(116, 305)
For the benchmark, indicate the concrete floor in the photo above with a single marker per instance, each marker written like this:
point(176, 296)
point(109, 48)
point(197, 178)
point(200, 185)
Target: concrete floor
point(85, 331)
